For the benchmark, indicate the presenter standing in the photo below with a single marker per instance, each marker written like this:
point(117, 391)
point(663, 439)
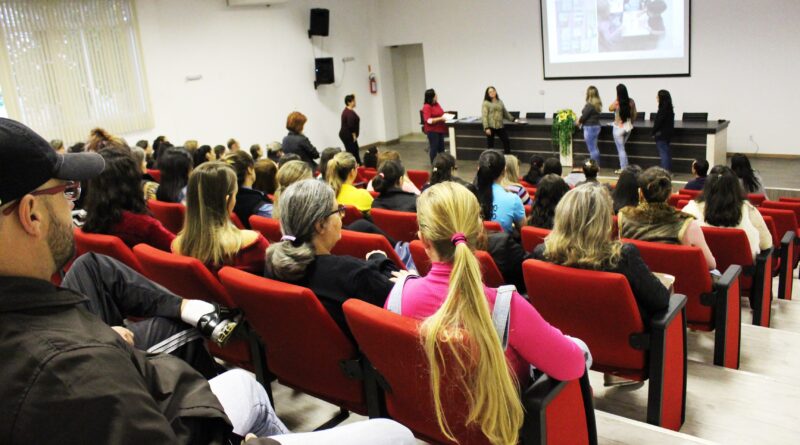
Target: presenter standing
point(590, 122)
point(663, 127)
point(433, 123)
point(624, 109)
point(493, 112)
point(348, 132)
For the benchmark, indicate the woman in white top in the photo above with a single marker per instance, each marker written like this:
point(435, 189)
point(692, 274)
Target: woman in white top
point(624, 109)
point(723, 204)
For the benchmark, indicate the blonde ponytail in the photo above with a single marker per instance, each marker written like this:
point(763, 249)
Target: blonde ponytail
point(490, 386)
point(337, 170)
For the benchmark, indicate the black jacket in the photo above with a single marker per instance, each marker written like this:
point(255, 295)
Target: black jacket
point(248, 201)
point(300, 145)
point(508, 254)
point(664, 125)
point(396, 199)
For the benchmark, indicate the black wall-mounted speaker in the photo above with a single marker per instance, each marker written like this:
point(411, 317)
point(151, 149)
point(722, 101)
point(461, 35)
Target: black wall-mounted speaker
point(319, 22)
point(323, 67)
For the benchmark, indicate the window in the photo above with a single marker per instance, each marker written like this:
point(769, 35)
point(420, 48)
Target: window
point(67, 66)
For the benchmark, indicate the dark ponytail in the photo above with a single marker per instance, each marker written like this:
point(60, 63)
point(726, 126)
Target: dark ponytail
point(491, 165)
point(442, 168)
point(656, 185)
point(388, 176)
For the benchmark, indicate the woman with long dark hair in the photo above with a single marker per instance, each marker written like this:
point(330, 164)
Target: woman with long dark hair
point(493, 112)
point(624, 109)
point(444, 169)
point(204, 154)
point(749, 178)
point(497, 204)
point(663, 127)
point(433, 124)
point(535, 171)
point(549, 193)
point(626, 192)
point(175, 165)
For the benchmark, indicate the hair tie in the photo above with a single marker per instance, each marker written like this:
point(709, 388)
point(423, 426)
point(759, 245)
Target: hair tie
point(288, 238)
point(458, 238)
point(435, 169)
point(381, 175)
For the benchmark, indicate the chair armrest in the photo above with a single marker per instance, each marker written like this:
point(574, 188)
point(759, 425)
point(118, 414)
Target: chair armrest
point(731, 273)
point(663, 318)
point(762, 257)
point(537, 398)
point(788, 238)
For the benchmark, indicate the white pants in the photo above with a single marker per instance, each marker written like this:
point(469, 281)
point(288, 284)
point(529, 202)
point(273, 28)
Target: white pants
point(367, 432)
point(246, 404)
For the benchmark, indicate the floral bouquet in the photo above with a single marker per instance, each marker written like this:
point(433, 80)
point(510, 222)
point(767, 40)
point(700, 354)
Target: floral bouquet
point(563, 127)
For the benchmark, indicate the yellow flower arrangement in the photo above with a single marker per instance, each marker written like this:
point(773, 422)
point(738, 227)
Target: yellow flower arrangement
point(563, 128)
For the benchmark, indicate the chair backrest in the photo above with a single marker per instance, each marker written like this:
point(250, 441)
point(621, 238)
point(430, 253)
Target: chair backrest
point(773, 230)
point(695, 117)
point(418, 177)
point(420, 257)
point(785, 220)
point(528, 209)
point(730, 246)
point(597, 307)
point(365, 174)
point(692, 193)
point(170, 214)
point(351, 215)
point(400, 226)
point(789, 199)
point(531, 191)
point(783, 205)
point(653, 116)
point(681, 204)
point(532, 237)
point(108, 245)
point(155, 174)
point(607, 116)
point(237, 222)
point(304, 345)
point(491, 274)
point(183, 275)
point(358, 244)
point(514, 114)
point(756, 198)
point(534, 115)
point(269, 227)
point(492, 226)
point(674, 198)
point(688, 265)
point(640, 116)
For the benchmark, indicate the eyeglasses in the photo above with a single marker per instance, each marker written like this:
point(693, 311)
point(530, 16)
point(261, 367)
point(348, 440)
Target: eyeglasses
point(70, 189)
point(342, 210)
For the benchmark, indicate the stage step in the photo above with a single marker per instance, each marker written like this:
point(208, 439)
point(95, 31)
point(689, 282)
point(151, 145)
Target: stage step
point(617, 430)
point(722, 405)
point(785, 314)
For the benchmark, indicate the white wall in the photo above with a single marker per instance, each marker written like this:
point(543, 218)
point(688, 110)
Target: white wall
point(744, 62)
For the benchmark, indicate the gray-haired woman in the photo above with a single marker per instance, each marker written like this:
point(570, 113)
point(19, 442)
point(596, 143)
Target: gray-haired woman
point(311, 222)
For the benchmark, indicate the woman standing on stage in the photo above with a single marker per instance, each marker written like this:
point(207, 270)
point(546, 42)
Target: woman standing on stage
point(493, 113)
point(590, 122)
point(433, 123)
point(663, 126)
point(624, 109)
point(348, 133)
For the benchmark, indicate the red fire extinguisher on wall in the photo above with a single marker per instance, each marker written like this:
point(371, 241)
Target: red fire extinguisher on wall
point(373, 81)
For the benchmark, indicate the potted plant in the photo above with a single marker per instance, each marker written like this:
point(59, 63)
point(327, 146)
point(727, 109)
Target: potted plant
point(563, 128)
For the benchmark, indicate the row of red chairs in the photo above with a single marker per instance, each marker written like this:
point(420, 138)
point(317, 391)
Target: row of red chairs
point(418, 177)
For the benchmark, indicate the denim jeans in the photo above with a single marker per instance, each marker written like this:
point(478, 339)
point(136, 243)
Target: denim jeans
point(436, 144)
point(590, 134)
point(664, 154)
point(246, 404)
point(620, 138)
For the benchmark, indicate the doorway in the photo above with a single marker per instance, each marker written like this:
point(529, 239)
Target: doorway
point(408, 66)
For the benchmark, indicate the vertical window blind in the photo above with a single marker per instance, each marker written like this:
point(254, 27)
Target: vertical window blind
point(67, 66)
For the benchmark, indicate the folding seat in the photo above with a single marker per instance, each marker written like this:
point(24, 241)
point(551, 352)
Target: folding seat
point(418, 177)
point(269, 227)
point(730, 246)
point(492, 226)
point(358, 244)
point(681, 204)
point(709, 306)
point(305, 349)
point(532, 237)
point(364, 174)
point(170, 214)
point(400, 226)
point(788, 199)
point(599, 308)
point(155, 174)
point(756, 198)
point(692, 193)
point(237, 222)
point(351, 215)
point(674, 198)
point(556, 412)
point(187, 277)
point(108, 245)
point(784, 205)
point(786, 227)
point(492, 276)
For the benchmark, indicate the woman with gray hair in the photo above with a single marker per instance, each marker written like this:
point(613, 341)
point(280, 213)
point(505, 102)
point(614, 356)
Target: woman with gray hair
point(311, 222)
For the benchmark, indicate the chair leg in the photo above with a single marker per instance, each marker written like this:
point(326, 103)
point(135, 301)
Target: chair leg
point(340, 417)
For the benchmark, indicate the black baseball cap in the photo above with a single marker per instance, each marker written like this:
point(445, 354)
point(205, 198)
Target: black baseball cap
point(27, 161)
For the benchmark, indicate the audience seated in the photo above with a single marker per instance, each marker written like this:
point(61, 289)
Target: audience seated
point(452, 296)
point(219, 151)
point(626, 192)
point(249, 201)
point(552, 165)
point(288, 174)
point(391, 155)
point(550, 191)
point(204, 154)
point(535, 170)
point(115, 204)
point(149, 185)
point(296, 142)
point(590, 171)
point(724, 204)
point(749, 178)
point(175, 165)
point(444, 169)
point(311, 222)
point(340, 174)
point(699, 171)
point(326, 156)
point(510, 180)
point(266, 171)
point(496, 203)
point(655, 220)
point(274, 151)
point(100, 139)
point(256, 152)
point(233, 145)
point(389, 183)
point(371, 158)
point(208, 234)
point(191, 146)
point(575, 176)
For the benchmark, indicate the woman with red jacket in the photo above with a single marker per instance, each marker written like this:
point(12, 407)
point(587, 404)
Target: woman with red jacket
point(433, 123)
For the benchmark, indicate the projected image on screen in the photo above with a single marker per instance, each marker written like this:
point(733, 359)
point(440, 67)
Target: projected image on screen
point(581, 38)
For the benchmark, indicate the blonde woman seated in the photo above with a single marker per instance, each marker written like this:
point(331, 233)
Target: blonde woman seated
point(288, 174)
point(208, 233)
point(655, 220)
point(724, 204)
point(453, 296)
point(510, 181)
point(340, 174)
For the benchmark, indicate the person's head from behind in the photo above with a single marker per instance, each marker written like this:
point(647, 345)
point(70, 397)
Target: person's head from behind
point(350, 101)
point(244, 167)
point(490, 94)
point(78, 147)
point(491, 166)
point(449, 227)
point(535, 168)
point(118, 188)
point(143, 143)
point(326, 156)
point(626, 192)
point(295, 122)
point(388, 155)
point(723, 196)
point(512, 170)
point(740, 165)
point(100, 139)
point(190, 145)
point(623, 102)
point(288, 158)
point(700, 168)
point(390, 175)
point(593, 98)
point(37, 188)
point(582, 228)
point(590, 169)
point(664, 101)
point(430, 96)
point(274, 150)
point(341, 169)
point(288, 174)
point(58, 145)
point(175, 165)
point(311, 223)
point(443, 168)
point(140, 157)
point(204, 154)
point(371, 158)
point(655, 185)
point(552, 166)
point(233, 144)
point(256, 152)
point(219, 151)
point(266, 172)
point(548, 194)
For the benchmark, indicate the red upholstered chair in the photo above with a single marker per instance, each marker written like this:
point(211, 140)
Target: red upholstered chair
point(788, 199)
point(730, 246)
point(237, 222)
point(420, 257)
point(269, 227)
point(400, 226)
point(692, 193)
point(756, 198)
point(170, 214)
point(492, 276)
point(528, 209)
point(786, 225)
point(364, 174)
point(674, 198)
point(776, 242)
point(155, 174)
point(556, 412)
point(305, 349)
point(526, 184)
point(189, 278)
point(492, 226)
point(532, 237)
point(681, 204)
point(599, 308)
point(358, 244)
point(418, 177)
point(108, 245)
point(784, 205)
point(374, 194)
point(531, 191)
point(351, 215)
point(709, 307)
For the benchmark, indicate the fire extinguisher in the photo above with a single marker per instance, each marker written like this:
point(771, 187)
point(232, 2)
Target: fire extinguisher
point(373, 82)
